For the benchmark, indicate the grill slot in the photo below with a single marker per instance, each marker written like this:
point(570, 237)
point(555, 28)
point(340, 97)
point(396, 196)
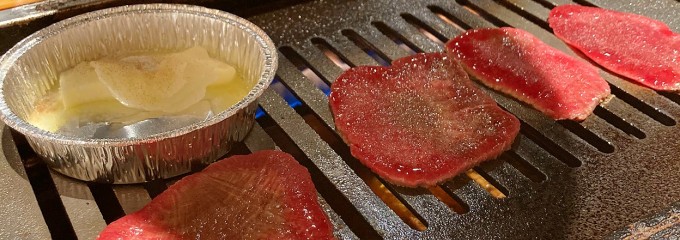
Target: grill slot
point(487, 182)
point(106, 201)
point(621, 109)
point(332, 54)
point(131, 197)
point(648, 110)
point(314, 97)
point(560, 153)
point(450, 199)
point(448, 18)
point(671, 96)
point(396, 37)
point(559, 2)
point(474, 9)
point(399, 206)
point(286, 94)
point(424, 29)
point(367, 47)
point(155, 187)
point(545, 4)
point(400, 40)
point(49, 201)
point(584, 3)
point(540, 159)
point(519, 163)
point(619, 122)
point(591, 138)
point(555, 183)
point(538, 15)
point(319, 81)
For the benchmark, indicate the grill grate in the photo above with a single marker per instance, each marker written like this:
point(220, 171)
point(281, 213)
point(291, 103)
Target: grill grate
point(561, 179)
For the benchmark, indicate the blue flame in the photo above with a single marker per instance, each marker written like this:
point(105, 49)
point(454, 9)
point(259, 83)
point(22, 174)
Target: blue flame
point(288, 96)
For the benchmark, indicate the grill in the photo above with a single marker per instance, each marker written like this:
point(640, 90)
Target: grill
point(560, 180)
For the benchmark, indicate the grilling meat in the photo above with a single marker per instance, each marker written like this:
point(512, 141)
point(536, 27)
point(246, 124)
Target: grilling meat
point(264, 195)
point(642, 49)
point(515, 62)
point(420, 121)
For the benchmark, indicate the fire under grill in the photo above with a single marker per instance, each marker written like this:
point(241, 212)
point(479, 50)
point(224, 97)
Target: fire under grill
point(561, 179)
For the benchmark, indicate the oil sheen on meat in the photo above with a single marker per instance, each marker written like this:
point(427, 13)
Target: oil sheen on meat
point(420, 121)
point(515, 62)
point(264, 195)
point(643, 49)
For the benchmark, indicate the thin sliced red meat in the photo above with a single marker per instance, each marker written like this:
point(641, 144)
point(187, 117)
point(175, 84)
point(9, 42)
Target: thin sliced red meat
point(515, 62)
point(264, 195)
point(642, 49)
point(420, 121)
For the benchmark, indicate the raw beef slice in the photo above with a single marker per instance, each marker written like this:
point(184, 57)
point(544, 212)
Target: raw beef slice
point(420, 121)
point(642, 49)
point(264, 195)
point(515, 62)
